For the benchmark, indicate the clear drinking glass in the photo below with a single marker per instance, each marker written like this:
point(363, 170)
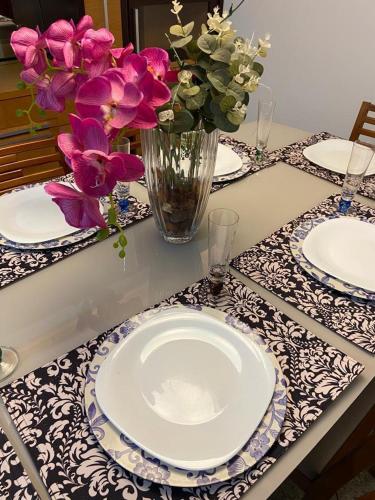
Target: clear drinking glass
point(360, 159)
point(8, 362)
point(266, 108)
point(222, 227)
point(122, 189)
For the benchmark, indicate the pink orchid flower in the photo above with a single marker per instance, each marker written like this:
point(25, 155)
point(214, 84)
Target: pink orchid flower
point(157, 61)
point(109, 99)
point(97, 173)
point(28, 45)
point(87, 133)
point(135, 69)
point(51, 91)
point(62, 37)
point(96, 46)
point(80, 210)
point(119, 54)
point(96, 170)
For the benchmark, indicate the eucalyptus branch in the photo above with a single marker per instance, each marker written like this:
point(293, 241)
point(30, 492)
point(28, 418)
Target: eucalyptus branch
point(180, 62)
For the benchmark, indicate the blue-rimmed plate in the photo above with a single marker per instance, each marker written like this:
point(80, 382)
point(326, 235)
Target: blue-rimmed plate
point(137, 461)
point(296, 246)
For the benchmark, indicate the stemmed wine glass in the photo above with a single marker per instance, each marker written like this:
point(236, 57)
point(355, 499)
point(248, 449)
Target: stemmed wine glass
point(8, 362)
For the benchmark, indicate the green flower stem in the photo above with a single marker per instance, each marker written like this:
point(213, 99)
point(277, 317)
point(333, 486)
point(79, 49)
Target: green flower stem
point(121, 241)
point(180, 62)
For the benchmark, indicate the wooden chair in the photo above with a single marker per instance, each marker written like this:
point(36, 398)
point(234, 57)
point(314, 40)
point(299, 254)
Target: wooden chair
point(364, 118)
point(26, 159)
point(355, 455)
point(29, 159)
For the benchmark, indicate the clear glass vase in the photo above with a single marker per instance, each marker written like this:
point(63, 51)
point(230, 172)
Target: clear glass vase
point(179, 171)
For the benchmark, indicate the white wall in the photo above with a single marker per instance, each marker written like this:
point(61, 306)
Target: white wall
point(322, 62)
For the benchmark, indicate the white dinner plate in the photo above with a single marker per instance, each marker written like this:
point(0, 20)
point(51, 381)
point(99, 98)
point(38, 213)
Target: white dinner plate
point(334, 155)
point(195, 389)
point(30, 216)
point(344, 248)
point(227, 161)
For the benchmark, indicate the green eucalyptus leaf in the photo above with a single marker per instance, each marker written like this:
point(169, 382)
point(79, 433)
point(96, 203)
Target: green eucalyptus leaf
point(197, 71)
point(41, 112)
point(220, 120)
point(102, 234)
point(227, 103)
point(122, 254)
point(21, 85)
point(207, 43)
point(204, 61)
point(258, 68)
point(235, 90)
point(209, 126)
point(191, 91)
point(115, 244)
point(19, 112)
point(221, 55)
point(219, 79)
point(235, 117)
point(176, 30)
point(197, 101)
point(193, 49)
point(178, 44)
point(112, 216)
point(188, 28)
point(183, 122)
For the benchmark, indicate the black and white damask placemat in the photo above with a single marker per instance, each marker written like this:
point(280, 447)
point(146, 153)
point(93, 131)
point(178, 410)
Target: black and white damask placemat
point(250, 166)
point(271, 264)
point(47, 406)
point(17, 264)
point(293, 155)
point(15, 484)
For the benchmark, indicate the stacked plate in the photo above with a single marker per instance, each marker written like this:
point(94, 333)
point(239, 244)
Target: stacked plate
point(339, 252)
point(30, 220)
point(333, 155)
point(229, 165)
point(192, 396)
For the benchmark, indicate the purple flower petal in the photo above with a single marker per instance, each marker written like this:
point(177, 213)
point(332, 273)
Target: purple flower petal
point(80, 210)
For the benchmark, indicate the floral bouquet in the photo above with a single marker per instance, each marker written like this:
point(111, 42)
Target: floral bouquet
point(112, 88)
point(215, 77)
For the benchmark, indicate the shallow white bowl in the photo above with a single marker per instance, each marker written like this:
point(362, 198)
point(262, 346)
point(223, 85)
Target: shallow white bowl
point(187, 388)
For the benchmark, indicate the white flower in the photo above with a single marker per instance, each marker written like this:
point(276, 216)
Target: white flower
point(166, 115)
point(240, 108)
point(244, 70)
point(244, 48)
point(177, 7)
point(252, 84)
point(216, 22)
point(185, 76)
point(264, 45)
point(239, 79)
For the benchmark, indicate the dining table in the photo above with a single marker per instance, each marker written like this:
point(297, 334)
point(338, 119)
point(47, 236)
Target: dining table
point(55, 310)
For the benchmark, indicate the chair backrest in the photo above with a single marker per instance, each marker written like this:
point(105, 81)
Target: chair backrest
point(364, 118)
point(27, 159)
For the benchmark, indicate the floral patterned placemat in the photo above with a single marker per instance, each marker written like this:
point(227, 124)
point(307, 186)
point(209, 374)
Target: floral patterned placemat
point(293, 155)
point(47, 406)
point(250, 166)
point(17, 264)
point(271, 264)
point(15, 484)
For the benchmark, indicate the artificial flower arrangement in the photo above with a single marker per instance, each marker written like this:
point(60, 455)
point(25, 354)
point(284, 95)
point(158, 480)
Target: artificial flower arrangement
point(114, 88)
point(216, 76)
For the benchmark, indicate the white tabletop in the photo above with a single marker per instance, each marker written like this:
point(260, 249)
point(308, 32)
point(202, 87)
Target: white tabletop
point(57, 309)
